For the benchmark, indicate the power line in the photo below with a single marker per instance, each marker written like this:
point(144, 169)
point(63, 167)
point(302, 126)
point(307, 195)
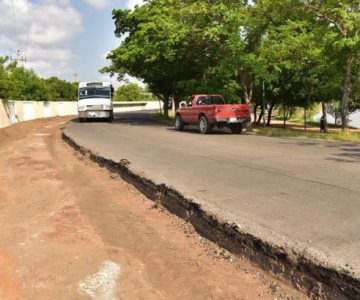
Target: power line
point(18, 54)
point(14, 17)
point(26, 43)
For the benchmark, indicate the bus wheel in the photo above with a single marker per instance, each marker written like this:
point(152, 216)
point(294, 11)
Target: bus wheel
point(111, 118)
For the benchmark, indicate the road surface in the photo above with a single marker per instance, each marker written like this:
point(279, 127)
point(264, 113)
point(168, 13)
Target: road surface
point(303, 194)
point(70, 230)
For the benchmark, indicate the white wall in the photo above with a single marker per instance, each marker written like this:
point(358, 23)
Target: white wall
point(354, 119)
point(137, 106)
point(29, 111)
point(12, 112)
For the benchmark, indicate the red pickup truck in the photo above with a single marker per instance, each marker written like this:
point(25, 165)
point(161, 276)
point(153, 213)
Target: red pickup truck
point(210, 110)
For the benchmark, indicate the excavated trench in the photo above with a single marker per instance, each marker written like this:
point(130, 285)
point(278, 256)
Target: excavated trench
point(314, 278)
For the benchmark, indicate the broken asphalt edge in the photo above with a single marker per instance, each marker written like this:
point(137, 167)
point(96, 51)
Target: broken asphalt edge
point(315, 278)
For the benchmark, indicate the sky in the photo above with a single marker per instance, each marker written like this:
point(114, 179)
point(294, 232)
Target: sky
point(64, 38)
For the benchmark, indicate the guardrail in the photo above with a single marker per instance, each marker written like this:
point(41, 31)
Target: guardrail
point(12, 112)
point(136, 106)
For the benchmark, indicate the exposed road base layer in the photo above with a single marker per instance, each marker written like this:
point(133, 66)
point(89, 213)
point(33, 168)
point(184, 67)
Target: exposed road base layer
point(312, 277)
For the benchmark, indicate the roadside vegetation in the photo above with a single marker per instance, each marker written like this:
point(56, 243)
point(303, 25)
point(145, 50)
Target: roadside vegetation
point(310, 134)
point(19, 83)
point(272, 54)
point(134, 92)
point(293, 129)
point(169, 121)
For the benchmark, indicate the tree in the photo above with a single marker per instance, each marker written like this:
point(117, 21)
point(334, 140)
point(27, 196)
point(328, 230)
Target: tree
point(342, 21)
point(22, 84)
point(295, 51)
point(25, 84)
point(4, 79)
point(303, 50)
point(60, 90)
point(171, 44)
point(129, 92)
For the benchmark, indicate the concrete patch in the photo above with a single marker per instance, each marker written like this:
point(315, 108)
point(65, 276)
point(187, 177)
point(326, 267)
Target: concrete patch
point(102, 285)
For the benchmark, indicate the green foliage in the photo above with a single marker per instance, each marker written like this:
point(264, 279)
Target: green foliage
point(60, 90)
point(305, 52)
point(171, 44)
point(19, 83)
point(129, 92)
point(334, 136)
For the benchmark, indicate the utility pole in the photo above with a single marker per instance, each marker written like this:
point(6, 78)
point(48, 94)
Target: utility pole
point(76, 77)
point(263, 102)
point(18, 55)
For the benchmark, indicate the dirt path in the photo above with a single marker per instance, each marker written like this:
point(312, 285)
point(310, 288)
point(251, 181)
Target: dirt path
point(71, 230)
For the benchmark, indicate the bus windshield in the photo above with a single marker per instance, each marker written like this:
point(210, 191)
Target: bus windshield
point(94, 92)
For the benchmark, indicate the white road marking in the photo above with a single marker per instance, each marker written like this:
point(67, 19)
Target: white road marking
point(29, 241)
point(38, 144)
point(102, 285)
point(41, 134)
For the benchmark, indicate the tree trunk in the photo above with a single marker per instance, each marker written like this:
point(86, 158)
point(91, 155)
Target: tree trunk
point(346, 94)
point(258, 122)
point(270, 114)
point(166, 107)
point(255, 111)
point(248, 92)
point(177, 103)
point(285, 115)
point(324, 112)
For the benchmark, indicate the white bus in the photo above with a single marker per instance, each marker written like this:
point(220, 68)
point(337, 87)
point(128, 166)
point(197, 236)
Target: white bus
point(95, 101)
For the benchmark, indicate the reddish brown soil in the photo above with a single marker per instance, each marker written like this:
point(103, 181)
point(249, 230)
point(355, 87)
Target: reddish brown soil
point(62, 217)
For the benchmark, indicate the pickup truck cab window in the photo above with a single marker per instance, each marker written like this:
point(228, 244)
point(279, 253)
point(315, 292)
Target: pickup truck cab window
point(201, 101)
point(213, 100)
point(210, 100)
point(190, 102)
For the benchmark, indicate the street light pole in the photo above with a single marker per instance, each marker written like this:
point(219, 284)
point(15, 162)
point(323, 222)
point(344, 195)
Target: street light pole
point(263, 102)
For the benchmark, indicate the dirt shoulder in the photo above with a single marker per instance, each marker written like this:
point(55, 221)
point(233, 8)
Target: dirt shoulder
point(71, 230)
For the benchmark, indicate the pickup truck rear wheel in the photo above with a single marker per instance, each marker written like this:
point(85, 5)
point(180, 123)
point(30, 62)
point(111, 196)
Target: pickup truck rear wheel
point(179, 124)
point(204, 125)
point(236, 128)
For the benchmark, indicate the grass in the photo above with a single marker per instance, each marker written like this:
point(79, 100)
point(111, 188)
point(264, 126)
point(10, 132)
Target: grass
point(332, 136)
point(161, 119)
point(310, 122)
point(312, 133)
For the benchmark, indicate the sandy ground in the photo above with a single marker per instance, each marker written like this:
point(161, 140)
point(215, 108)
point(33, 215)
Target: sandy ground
point(71, 230)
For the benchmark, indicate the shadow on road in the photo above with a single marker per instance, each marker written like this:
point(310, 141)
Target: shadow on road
point(146, 118)
point(349, 154)
point(129, 118)
point(345, 152)
point(195, 130)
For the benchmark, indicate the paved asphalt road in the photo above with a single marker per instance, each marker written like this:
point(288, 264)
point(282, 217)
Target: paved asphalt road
point(299, 193)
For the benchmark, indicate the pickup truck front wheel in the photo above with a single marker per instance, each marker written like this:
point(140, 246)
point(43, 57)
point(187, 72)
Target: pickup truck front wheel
point(236, 128)
point(179, 124)
point(204, 125)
